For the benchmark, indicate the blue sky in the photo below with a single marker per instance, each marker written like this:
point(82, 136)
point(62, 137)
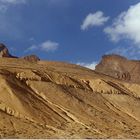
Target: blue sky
point(76, 31)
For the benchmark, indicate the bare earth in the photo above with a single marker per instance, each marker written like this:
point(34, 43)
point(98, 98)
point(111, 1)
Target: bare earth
point(59, 100)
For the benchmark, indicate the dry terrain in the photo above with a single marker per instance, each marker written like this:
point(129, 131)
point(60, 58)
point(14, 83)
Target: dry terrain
point(58, 100)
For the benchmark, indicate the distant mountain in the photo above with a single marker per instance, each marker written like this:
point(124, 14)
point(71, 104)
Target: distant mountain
point(120, 67)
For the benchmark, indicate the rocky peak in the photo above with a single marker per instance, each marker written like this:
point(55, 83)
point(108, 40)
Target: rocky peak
point(4, 51)
point(32, 58)
point(119, 67)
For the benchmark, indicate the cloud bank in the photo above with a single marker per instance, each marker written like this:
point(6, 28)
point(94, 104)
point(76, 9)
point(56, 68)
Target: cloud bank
point(126, 26)
point(94, 19)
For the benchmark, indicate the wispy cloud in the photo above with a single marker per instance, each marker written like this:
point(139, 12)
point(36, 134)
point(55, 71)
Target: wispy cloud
point(5, 4)
point(126, 26)
point(47, 46)
point(9, 24)
point(88, 65)
point(13, 1)
point(94, 19)
point(130, 52)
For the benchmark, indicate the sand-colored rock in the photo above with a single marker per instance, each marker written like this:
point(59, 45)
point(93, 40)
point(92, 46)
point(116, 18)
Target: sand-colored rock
point(59, 100)
point(120, 67)
point(31, 58)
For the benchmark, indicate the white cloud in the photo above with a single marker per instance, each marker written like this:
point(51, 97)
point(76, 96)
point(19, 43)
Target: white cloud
point(47, 46)
point(94, 19)
point(88, 65)
point(12, 1)
point(126, 26)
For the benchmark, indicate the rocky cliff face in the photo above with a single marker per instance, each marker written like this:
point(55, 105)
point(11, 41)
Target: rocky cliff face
point(120, 67)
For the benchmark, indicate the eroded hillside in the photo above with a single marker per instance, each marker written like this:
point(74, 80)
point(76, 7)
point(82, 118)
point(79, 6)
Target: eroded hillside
point(58, 100)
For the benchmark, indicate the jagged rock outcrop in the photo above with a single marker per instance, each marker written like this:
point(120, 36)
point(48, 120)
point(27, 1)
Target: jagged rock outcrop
point(32, 58)
point(119, 67)
point(4, 51)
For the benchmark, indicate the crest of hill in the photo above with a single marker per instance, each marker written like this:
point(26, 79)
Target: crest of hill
point(119, 67)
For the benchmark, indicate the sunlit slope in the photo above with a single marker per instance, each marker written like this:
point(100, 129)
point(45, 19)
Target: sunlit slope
point(60, 100)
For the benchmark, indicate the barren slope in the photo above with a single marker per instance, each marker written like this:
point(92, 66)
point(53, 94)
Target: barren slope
point(59, 100)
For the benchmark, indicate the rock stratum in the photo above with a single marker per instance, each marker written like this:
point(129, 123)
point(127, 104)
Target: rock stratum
point(58, 100)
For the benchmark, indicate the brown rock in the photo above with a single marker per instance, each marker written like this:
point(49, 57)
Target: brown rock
point(32, 58)
point(119, 67)
point(4, 51)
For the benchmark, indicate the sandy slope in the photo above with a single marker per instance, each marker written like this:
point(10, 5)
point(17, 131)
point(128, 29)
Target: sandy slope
point(60, 100)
